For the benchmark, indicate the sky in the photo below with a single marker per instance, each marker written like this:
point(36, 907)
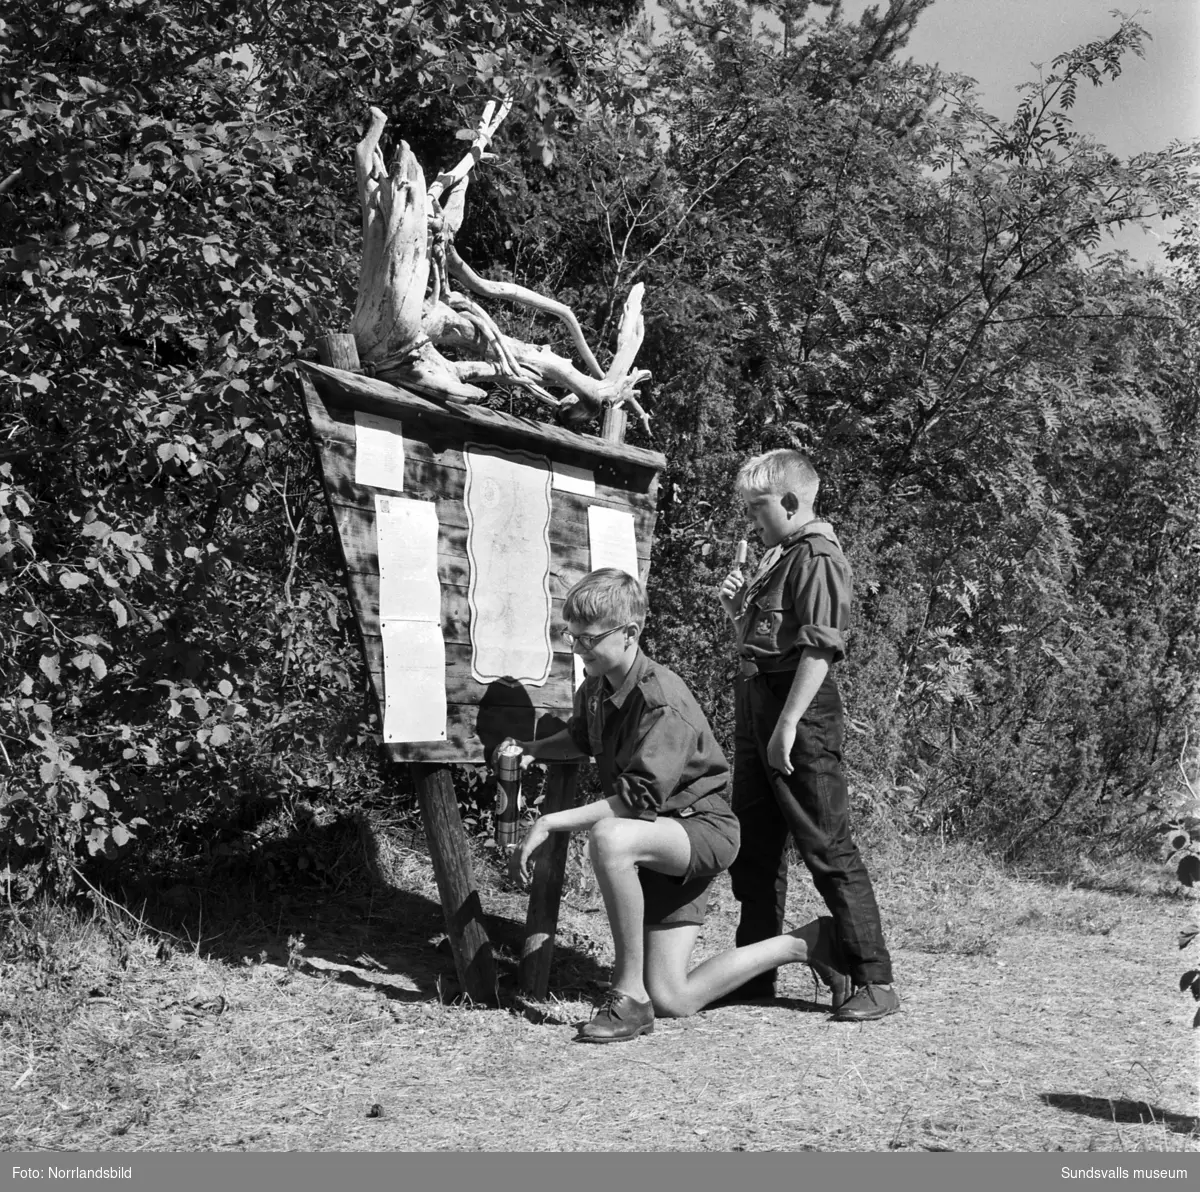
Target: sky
point(1156, 100)
point(998, 43)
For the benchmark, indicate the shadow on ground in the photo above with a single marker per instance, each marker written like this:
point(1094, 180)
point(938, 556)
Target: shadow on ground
point(392, 942)
point(312, 901)
point(798, 1004)
point(1123, 1111)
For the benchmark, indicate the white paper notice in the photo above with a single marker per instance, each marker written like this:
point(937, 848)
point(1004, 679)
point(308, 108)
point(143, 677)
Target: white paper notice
point(570, 479)
point(410, 616)
point(508, 541)
point(378, 452)
point(414, 681)
point(406, 534)
point(612, 540)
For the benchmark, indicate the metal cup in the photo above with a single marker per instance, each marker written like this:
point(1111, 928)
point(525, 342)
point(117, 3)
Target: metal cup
point(507, 760)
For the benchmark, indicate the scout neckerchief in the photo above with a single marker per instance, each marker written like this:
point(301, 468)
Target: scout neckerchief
point(776, 553)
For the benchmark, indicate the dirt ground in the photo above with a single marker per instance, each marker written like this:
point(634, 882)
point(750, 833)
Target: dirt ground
point(1036, 1017)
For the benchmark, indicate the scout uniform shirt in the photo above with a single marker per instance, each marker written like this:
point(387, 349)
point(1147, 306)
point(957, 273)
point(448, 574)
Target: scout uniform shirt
point(652, 743)
point(799, 596)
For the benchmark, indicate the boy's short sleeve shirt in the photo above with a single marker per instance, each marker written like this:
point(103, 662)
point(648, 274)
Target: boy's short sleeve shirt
point(800, 599)
point(653, 745)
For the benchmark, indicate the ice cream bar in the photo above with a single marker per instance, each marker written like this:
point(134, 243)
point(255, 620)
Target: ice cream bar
point(743, 547)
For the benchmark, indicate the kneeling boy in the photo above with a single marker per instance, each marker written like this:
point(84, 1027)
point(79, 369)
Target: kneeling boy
point(664, 829)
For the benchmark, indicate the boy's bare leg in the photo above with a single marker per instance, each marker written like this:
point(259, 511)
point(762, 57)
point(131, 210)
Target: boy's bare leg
point(677, 993)
point(616, 847)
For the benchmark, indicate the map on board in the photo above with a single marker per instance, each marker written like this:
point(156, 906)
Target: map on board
point(508, 545)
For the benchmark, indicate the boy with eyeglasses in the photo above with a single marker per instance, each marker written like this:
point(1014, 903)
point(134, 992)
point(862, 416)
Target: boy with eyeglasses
point(664, 829)
point(791, 617)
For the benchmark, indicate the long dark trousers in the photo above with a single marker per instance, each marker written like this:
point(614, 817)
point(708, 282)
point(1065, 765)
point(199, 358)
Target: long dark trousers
point(812, 804)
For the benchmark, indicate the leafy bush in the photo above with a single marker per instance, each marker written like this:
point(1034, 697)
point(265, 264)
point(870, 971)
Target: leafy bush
point(175, 642)
point(840, 252)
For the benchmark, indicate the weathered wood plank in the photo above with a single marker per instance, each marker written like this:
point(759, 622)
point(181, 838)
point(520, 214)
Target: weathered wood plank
point(568, 524)
point(454, 571)
point(479, 716)
point(474, 730)
point(441, 471)
point(557, 691)
point(356, 528)
point(469, 421)
point(456, 611)
point(568, 511)
point(455, 602)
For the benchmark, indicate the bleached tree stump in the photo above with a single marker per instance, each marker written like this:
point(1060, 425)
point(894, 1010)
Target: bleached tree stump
point(417, 296)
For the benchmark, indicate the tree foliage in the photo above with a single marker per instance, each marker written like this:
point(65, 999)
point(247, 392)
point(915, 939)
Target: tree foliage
point(870, 266)
point(841, 251)
point(179, 222)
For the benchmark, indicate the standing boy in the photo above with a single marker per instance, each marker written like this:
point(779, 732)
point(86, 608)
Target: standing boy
point(664, 829)
point(791, 618)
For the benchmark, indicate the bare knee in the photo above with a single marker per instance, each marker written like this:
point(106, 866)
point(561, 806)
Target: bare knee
point(670, 1006)
point(606, 843)
point(670, 1002)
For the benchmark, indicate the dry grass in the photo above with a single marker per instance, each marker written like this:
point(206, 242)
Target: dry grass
point(1036, 1017)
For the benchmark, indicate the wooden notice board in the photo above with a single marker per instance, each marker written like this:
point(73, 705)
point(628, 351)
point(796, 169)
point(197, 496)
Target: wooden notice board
point(523, 510)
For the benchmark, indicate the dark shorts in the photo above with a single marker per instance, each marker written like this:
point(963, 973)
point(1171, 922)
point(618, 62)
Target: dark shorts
point(713, 833)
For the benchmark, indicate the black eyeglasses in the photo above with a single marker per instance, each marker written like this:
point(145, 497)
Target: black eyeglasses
point(588, 640)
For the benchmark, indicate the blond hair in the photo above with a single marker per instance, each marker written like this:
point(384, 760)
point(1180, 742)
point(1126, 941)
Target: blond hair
point(606, 594)
point(780, 471)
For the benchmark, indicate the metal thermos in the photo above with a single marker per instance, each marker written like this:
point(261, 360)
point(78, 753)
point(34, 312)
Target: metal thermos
point(508, 791)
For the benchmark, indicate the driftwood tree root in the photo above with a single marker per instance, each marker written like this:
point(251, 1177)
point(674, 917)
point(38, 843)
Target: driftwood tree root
point(408, 309)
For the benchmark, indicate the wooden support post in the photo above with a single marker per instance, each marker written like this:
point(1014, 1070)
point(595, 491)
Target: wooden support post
point(456, 882)
point(337, 349)
point(612, 425)
point(541, 921)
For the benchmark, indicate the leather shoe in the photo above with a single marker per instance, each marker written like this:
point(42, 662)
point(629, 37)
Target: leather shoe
point(618, 1018)
point(827, 963)
point(869, 1002)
